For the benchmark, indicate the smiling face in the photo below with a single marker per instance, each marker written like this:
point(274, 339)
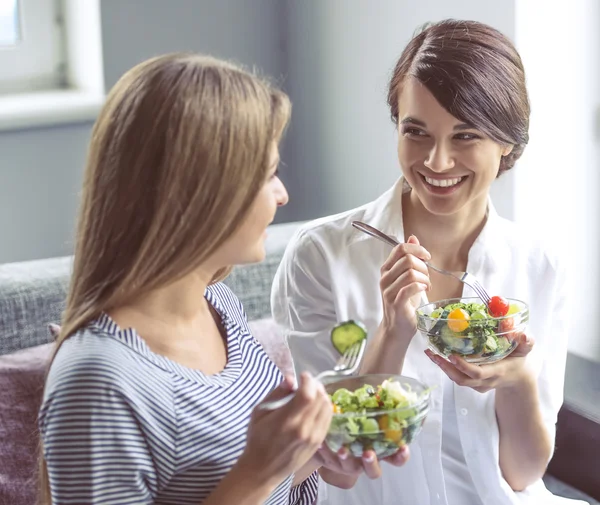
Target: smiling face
point(449, 164)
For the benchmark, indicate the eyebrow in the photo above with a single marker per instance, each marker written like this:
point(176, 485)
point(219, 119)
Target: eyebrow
point(418, 122)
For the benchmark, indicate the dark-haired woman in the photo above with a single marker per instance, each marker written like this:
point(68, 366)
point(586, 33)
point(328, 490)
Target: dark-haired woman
point(459, 100)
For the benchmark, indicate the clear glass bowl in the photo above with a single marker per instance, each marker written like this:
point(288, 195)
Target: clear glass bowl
point(383, 431)
point(479, 341)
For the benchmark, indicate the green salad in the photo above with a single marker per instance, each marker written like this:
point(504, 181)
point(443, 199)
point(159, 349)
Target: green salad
point(468, 329)
point(373, 420)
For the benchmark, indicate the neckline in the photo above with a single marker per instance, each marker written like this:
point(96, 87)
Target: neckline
point(131, 338)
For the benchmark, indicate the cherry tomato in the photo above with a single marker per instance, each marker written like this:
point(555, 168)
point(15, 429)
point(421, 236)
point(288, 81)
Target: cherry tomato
point(498, 306)
point(458, 320)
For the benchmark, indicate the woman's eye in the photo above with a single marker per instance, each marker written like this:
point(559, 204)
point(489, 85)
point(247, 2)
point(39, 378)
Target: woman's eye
point(413, 132)
point(466, 136)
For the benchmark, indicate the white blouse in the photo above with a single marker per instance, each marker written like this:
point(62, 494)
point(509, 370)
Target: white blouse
point(330, 273)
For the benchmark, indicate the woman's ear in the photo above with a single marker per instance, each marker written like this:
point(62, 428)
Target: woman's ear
point(507, 149)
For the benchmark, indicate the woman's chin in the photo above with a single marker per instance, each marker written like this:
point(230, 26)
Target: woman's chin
point(254, 255)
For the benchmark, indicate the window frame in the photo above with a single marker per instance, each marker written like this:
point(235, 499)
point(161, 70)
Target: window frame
point(35, 62)
point(78, 90)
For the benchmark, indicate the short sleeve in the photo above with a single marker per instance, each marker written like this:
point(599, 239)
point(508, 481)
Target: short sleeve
point(93, 439)
point(306, 492)
point(302, 303)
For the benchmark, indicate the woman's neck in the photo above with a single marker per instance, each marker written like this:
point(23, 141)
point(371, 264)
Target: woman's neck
point(448, 238)
point(179, 308)
point(179, 303)
point(177, 321)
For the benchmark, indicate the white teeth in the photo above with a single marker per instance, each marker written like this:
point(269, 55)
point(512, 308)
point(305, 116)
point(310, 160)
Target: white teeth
point(444, 183)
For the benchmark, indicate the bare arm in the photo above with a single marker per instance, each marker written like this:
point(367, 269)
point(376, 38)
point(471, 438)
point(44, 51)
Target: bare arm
point(305, 472)
point(240, 487)
point(385, 353)
point(525, 445)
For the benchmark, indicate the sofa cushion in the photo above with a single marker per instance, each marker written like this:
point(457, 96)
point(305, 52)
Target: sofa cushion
point(32, 293)
point(21, 388)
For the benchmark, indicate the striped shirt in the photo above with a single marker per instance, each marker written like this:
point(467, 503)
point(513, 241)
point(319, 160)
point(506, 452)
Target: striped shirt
point(121, 424)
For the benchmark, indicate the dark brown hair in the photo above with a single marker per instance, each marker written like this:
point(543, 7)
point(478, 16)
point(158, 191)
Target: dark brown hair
point(476, 74)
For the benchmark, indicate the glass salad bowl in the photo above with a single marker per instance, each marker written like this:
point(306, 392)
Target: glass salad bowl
point(464, 326)
point(376, 412)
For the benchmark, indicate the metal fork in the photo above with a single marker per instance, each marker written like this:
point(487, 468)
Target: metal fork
point(464, 277)
point(346, 365)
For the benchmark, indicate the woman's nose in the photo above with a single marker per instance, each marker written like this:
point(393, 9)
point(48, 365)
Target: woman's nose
point(439, 158)
point(281, 195)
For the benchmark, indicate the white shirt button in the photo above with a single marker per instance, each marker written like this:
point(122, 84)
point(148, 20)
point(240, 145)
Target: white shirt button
point(464, 411)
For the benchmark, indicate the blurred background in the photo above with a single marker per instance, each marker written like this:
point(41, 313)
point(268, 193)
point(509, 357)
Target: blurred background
point(334, 58)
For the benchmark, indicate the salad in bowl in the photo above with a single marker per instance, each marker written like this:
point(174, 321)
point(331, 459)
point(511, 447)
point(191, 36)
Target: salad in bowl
point(376, 412)
point(467, 327)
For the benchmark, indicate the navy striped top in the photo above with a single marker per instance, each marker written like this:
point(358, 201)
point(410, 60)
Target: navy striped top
point(121, 424)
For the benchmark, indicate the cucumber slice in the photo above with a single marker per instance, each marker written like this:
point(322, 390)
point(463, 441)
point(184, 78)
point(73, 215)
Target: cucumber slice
point(490, 344)
point(346, 334)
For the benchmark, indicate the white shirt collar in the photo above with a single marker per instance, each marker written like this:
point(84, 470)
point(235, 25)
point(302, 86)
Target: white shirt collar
point(385, 213)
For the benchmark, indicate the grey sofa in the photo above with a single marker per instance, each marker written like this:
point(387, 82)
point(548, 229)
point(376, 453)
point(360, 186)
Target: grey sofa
point(32, 295)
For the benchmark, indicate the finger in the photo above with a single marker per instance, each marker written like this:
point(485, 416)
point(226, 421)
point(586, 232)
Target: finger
point(413, 240)
point(322, 420)
point(407, 263)
point(299, 417)
point(407, 292)
point(371, 465)
point(451, 371)
point(313, 417)
point(346, 463)
point(402, 250)
point(390, 288)
point(400, 458)
point(524, 347)
point(305, 395)
point(473, 371)
point(326, 456)
point(331, 460)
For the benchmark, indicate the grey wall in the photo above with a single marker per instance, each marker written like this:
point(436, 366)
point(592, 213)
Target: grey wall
point(40, 177)
point(332, 56)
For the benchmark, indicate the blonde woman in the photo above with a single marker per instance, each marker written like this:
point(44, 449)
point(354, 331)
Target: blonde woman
point(151, 395)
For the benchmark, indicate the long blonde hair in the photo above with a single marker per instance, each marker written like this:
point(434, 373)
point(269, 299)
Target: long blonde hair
point(177, 156)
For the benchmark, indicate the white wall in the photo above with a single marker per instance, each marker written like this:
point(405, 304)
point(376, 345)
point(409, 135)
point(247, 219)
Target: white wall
point(340, 57)
point(558, 178)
